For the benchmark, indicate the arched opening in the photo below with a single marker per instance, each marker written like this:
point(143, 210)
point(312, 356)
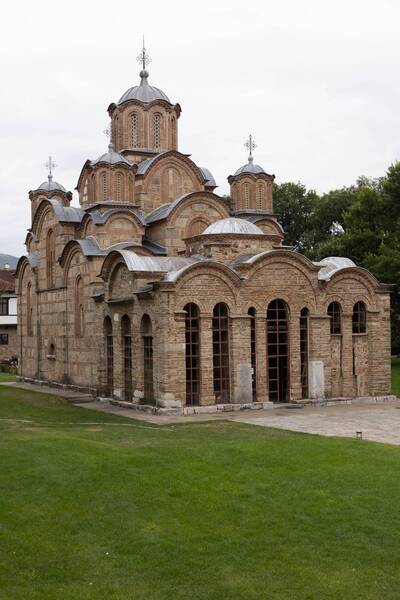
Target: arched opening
point(127, 356)
point(192, 354)
point(29, 311)
point(134, 130)
point(221, 359)
point(173, 133)
point(278, 351)
point(260, 195)
point(50, 257)
point(157, 130)
point(119, 186)
point(146, 329)
point(359, 319)
point(116, 136)
point(79, 309)
point(104, 186)
point(253, 351)
point(304, 320)
point(197, 226)
point(335, 314)
point(246, 195)
point(109, 350)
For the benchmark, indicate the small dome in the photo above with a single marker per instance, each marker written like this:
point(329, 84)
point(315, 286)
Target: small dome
point(51, 186)
point(250, 168)
point(111, 157)
point(144, 92)
point(232, 225)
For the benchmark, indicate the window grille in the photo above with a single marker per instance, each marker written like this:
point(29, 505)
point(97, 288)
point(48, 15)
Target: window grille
point(278, 351)
point(192, 354)
point(134, 130)
point(157, 130)
point(335, 313)
point(221, 351)
point(359, 320)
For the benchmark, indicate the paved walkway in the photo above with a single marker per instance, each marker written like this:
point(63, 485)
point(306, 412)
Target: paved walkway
point(378, 422)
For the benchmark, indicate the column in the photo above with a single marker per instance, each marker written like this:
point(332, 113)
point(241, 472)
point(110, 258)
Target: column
point(241, 388)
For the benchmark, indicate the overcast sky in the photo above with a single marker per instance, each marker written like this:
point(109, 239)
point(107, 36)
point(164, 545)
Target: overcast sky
point(316, 82)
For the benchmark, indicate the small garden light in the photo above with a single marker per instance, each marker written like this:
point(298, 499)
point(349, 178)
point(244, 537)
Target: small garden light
point(359, 435)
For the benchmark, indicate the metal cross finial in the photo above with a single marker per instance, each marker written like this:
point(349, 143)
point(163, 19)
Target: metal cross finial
point(50, 165)
point(143, 57)
point(250, 145)
point(107, 131)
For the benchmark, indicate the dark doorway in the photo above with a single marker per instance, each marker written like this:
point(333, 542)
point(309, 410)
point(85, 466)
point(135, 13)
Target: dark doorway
point(278, 351)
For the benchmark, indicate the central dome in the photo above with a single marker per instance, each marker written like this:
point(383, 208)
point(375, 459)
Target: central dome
point(233, 225)
point(144, 92)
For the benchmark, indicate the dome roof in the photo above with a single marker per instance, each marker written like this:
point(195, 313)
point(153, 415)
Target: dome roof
point(144, 92)
point(232, 225)
point(250, 168)
point(51, 186)
point(111, 157)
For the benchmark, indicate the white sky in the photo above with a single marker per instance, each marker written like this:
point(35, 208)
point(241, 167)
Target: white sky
point(316, 82)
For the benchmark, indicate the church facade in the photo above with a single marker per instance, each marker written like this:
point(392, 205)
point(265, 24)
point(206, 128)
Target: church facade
point(154, 291)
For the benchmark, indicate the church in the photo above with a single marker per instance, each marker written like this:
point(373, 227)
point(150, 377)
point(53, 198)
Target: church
point(157, 293)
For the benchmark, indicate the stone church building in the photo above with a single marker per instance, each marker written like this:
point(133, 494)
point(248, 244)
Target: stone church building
point(154, 291)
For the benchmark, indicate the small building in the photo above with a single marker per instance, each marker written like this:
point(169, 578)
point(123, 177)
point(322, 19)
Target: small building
point(8, 309)
point(155, 291)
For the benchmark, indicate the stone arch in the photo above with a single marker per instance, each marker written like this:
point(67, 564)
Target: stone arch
point(196, 226)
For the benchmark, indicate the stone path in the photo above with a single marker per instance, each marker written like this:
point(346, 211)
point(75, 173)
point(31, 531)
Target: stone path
point(378, 422)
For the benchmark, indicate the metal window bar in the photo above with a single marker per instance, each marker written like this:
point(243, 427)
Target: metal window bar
point(148, 369)
point(359, 320)
point(127, 344)
point(335, 313)
point(192, 354)
point(110, 364)
point(221, 362)
point(304, 316)
point(278, 351)
point(252, 313)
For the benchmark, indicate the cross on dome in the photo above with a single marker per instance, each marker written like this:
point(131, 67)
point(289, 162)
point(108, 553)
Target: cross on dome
point(50, 165)
point(250, 145)
point(143, 58)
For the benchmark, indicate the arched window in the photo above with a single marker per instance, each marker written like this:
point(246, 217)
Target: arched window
point(335, 313)
point(192, 354)
point(92, 191)
point(50, 257)
point(79, 308)
point(104, 185)
point(278, 351)
point(109, 348)
point(359, 318)
point(29, 310)
point(221, 351)
point(260, 195)
point(246, 195)
point(116, 132)
point(119, 186)
point(304, 319)
point(173, 133)
point(146, 329)
point(196, 227)
point(157, 130)
point(127, 356)
point(253, 351)
point(134, 130)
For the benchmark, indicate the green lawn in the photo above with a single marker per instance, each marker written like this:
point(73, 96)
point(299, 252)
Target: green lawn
point(94, 506)
point(7, 377)
point(396, 376)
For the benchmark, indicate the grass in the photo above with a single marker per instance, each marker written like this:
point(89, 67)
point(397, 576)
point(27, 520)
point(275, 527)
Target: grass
point(396, 376)
point(7, 377)
point(95, 506)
